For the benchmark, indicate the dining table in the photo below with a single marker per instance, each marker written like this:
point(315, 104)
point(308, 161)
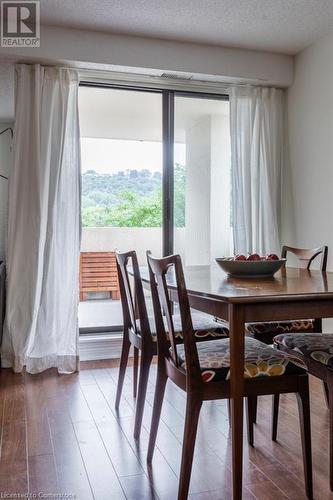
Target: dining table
point(291, 293)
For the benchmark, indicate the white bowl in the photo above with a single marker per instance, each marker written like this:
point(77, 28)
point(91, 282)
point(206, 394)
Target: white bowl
point(250, 268)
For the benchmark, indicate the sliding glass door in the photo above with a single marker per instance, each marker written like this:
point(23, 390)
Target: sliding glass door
point(155, 175)
point(121, 149)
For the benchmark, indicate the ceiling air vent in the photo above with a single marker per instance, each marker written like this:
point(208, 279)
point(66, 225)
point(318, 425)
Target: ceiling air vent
point(175, 76)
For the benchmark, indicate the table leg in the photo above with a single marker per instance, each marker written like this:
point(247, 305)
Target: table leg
point(237, 325)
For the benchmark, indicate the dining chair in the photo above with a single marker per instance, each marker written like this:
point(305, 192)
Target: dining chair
point(139, 331)
point(202, 369)
point(315, 350)
point(266, 331)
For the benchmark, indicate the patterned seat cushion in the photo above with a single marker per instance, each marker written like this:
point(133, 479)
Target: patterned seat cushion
point(261, 360)
point(316, 346)
point(277, 327)
point(205, 327)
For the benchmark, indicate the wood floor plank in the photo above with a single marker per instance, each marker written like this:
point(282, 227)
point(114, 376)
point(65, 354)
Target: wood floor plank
point(138, 487)
point(3, 375)
point(207, 468)
point(107, 381)
point(207, 495)
point(288, 483)
point(14, 441)
point(122, 456)
point(38, 430)
point(162, 477)
point(14, 477)
point(265, 490)
point(70, 467)
point(14, 395)
point(43, 475)
point(102, 476)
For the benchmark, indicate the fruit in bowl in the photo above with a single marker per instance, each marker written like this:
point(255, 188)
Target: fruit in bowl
point(272, 256)
point(252, 266)
point(240, 257)
point(254, 256)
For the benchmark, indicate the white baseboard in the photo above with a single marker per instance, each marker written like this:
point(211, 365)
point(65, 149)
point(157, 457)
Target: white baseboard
point(100, 346)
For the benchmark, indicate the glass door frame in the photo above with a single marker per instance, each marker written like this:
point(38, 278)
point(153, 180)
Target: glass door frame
point(168, 114)
point(168, 122)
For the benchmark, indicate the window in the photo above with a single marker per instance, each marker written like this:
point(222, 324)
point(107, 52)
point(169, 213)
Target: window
point(155, 175)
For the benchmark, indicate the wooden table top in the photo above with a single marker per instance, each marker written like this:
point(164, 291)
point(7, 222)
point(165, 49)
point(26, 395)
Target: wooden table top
point(287, 284)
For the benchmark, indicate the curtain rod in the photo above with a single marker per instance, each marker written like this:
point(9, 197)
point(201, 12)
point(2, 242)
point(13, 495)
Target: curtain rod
point(150, 81)
point(159, 82)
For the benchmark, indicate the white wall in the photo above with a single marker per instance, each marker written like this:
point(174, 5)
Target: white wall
point(308, 200)
point(197, 195)
point(308, 207)
point(107, 239)
point(207, 221)
point(220, 188)
point(107, 51)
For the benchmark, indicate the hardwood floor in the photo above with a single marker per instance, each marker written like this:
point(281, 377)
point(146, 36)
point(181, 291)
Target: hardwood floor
point(61, 434)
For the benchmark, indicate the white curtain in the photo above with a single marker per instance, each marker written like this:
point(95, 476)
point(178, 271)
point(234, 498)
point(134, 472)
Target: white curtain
point(256, 124)
point(41, 327)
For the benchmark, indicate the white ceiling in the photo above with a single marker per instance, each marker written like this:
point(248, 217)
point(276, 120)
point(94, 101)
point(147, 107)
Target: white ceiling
point(285, 26)
point(124, 114)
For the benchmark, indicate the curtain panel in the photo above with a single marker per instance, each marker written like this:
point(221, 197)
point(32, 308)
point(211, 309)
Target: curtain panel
point(41, 326)
point(256, 125)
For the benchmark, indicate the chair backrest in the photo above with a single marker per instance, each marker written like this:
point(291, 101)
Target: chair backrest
point(160, 270)
point(306, 256)
point(132, 298)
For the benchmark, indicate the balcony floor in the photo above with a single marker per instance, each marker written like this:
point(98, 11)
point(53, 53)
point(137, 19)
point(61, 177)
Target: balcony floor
point(98, 313)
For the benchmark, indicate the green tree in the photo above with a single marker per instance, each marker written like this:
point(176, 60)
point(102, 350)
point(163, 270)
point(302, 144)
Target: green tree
point(94, 216)
point(136, 211)
point(179, 195)
point(132, 211)
point(130, 199)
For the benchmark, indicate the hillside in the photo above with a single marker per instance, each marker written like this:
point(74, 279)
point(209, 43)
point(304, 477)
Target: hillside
point(129, 199)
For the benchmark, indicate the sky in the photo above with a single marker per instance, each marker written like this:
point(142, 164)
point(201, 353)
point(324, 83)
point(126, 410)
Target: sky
point(111, 156)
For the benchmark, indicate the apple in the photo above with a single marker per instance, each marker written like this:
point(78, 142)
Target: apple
point(272, 256)
point(254, 256)
point(240, 257)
